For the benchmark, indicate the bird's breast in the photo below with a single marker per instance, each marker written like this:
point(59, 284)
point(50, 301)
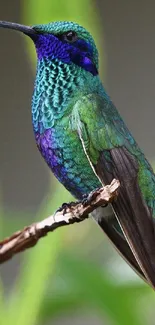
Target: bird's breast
point(63, 152)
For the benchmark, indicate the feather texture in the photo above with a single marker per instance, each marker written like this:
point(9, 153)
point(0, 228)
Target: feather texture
point(113, 153)
point(85, 142)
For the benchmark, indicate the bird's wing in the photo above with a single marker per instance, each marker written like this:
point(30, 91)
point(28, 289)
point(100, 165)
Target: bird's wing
point(113, 153)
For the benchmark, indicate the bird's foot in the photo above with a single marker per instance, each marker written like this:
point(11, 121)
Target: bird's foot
point(87, 198)
point(66, 206)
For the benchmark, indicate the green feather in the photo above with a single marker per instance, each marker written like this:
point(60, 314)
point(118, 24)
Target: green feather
point(101, 128)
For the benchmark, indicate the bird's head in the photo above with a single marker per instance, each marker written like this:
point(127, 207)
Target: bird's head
point(66, 41)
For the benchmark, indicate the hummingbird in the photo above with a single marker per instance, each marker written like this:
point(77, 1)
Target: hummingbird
point(86, 143)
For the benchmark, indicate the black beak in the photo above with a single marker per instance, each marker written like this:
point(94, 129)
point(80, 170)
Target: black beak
point(21, 28)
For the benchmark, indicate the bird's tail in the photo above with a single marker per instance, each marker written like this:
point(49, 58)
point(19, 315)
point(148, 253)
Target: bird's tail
point(133, 214)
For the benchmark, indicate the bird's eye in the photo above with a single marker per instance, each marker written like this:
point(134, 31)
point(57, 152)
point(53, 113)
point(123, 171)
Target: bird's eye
point(70, 36)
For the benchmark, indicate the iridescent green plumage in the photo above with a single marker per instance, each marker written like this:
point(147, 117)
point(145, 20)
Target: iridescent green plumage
point(85, 142)
point(113, 153)
point(102, 129)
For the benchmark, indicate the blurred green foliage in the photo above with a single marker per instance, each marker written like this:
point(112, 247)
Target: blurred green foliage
point(55, 278)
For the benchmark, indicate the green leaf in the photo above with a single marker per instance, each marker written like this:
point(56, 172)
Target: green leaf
point(61, 305)
point(100, 291)
point(28, 293)
point(2, 304)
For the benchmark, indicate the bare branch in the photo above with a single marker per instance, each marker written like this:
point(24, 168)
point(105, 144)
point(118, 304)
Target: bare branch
point(69, 214)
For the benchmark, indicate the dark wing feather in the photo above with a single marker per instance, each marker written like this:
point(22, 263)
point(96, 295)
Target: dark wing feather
point(131, 210)
point(113, 153)
point(118, 240)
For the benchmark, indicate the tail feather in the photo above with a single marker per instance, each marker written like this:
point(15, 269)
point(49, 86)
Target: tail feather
point(131, 211)
point(117, 239)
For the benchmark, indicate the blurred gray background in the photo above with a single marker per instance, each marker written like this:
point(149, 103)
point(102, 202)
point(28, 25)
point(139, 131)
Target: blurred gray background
point(129, 41)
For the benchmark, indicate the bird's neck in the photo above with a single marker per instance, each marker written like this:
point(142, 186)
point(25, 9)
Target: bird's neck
point(57, 87)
